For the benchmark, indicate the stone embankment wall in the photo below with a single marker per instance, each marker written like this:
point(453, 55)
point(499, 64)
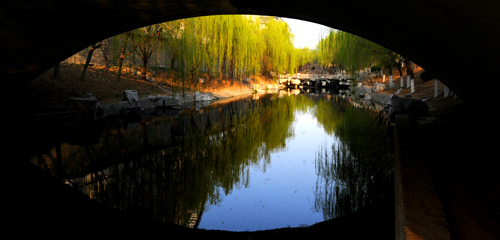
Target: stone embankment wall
point(156, 133)
point(83, 110)
point(196, 100)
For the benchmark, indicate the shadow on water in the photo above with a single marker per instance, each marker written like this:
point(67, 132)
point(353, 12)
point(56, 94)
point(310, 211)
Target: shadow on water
point(170, 169)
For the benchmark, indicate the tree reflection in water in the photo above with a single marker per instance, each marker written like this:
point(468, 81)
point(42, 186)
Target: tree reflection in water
point(357, 171)
point(178, 166)
point(172, 168)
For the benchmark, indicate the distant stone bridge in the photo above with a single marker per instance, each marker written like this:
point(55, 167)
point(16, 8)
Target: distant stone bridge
point(455, 40)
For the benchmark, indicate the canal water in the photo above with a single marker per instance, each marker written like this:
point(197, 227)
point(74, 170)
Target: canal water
point(262, 162)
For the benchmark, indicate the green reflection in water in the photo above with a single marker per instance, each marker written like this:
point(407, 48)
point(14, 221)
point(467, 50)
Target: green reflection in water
point(357, 171)
point(172, 168)
point(208, 156)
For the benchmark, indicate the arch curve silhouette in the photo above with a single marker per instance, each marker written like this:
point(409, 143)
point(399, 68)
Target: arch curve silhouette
point(455, 40)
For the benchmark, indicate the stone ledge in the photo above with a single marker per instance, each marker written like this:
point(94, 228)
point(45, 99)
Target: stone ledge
point(419, 212)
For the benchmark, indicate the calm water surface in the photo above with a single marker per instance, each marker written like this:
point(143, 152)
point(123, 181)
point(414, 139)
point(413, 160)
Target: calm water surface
point(279, 193)
point(253, 164)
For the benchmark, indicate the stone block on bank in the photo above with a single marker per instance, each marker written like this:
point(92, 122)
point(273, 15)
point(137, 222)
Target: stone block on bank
point(171, 101)
point(156, 101)
point(198, 97)
point(379, 98)
point(412, 106)
point(363, 90)
point(147, 102)
point(160, 102)
point(380, 87)
point(89, 104)
point(131, 96)
point(368, 97)
point(131, 110)
point(114, 108)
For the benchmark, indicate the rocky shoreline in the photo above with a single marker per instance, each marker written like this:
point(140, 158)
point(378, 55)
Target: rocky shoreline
point(132, 104)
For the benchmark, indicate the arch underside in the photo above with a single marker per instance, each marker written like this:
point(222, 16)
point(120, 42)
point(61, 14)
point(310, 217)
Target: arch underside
point(455, 40)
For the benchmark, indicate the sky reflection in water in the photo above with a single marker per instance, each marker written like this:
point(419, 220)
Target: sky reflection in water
point(283, 195)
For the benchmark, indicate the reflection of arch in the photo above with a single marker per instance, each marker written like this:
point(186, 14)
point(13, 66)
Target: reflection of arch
point(443, 37)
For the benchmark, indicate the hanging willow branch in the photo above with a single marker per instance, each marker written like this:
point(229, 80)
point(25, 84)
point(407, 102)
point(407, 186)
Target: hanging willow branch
point(217, 47)
point(354, 52)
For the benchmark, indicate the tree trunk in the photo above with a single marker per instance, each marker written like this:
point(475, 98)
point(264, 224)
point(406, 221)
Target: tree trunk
point(193, 70)
point(120, 65)
point(105, 54)
point(208, 75)
point(231, 71)
point(409, 70)
point(221, 71)
point(144, 68)
point(123, 54)
point(172, 64)
point(89, 57)
point(400, 69)
point(122, 57)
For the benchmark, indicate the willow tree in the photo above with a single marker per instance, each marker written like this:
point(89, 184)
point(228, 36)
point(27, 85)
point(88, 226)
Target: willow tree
point(248, 47)
point(221, 46)
point(278, 56)
point(192, 46)
point(172, 42)
point(229, 45)
point(354, 52)
point(305, 56)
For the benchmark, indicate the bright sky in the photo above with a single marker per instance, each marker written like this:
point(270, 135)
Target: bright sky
point(306, 33)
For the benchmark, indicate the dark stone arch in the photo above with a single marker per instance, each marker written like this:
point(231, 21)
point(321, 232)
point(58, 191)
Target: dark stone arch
point(455, 40)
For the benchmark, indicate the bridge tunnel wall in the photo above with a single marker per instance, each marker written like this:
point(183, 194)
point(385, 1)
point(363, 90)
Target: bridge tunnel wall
point(455, 40)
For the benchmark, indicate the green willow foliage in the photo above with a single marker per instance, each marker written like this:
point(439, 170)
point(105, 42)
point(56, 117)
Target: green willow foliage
point(213, 47)
point(235, 45)
point(353, 52)
point(223, 46)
